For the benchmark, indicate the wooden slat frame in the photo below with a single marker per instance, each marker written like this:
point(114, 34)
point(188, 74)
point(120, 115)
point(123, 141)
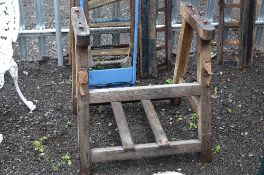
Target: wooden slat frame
point(155, 124)
point(122, 125)
point(143, 92)
point(145, 150)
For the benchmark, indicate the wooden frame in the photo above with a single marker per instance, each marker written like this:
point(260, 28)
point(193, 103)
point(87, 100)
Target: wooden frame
point(245, 40)
point(199, 93)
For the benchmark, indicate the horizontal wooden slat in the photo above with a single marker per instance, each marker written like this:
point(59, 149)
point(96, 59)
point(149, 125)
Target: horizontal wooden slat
point(99, 3)
point(110, 24)
point(145, 150)
point(155, 124)
point(111, 52)
point(160, 47)
point(161, 28)
point(234, 42)
point(161, 9)
point(144, 92)
point(231, 24)
point(122, 125)
point(232, 5)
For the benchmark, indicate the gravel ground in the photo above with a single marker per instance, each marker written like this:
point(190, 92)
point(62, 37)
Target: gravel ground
point(237, 119)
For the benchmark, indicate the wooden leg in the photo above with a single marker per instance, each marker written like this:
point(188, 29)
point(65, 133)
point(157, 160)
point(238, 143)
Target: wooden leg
point(183, 50)
point(204, 101)
point(220, 33)
point(83, 109)
point(74, 95)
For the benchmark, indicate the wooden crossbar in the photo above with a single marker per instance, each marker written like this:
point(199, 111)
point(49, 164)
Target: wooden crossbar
point(99, 3)
point(144, 92)
point(122, 125)
point(145, 150)
point(155, 124)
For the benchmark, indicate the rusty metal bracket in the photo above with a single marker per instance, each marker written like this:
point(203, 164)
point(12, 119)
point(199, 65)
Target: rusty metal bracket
point(83, 80)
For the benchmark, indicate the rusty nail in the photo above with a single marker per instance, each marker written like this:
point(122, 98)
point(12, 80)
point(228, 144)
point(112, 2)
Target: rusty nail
point(77, 11)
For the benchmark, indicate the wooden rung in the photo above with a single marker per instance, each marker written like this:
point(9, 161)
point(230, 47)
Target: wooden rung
point(161, 9)
point(160, 47)
point(122, 125)
point(234, 42)
point(144, 92)
point(145, 150)
point(232, 5)
point(161, 29)
point(110, 24)
point(231, 24)
point(111, 52)
point(155, 124)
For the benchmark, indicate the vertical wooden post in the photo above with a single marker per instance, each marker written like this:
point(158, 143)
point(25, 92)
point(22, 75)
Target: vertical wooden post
point(83, 109)
point(148, 33)
point(220, 33)
point(247, 26)
point(72, 62)
point(204, 101)
point(168, 33)
point(81, 44)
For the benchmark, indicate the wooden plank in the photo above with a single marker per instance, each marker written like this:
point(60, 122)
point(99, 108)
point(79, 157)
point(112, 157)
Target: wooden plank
point(220, 48)
point(183, 50)
point(247, 27)
point(232, 5)
point(161, 28)
point(80, 27)
point(152, 42)
point(204, 101)
point(192, 99)
point(143, 92)
point(99, 3)
point(234, 42)
point(111, 52)
point(168, 33)
point(73, 62)
point(122, 125)
point(81, 56)
point(200, 24)
point(155, 124)
point(232, 24)
point(110, 24)
point(145, 150)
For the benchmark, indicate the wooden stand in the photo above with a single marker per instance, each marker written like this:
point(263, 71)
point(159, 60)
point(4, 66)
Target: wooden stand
point(200, 91)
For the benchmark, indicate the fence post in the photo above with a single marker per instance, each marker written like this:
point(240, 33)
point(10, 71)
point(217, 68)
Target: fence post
point(40, 26)
point(22, 41)
point(174, 21)
point(58, 32)
point(260, 29)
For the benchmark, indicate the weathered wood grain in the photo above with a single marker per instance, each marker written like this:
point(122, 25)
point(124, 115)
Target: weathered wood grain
point(122, 125)
point(155, 124)
point(204, 101)
point(200, 24)
point(143, 92)
point(99, 3)
point(145, 150)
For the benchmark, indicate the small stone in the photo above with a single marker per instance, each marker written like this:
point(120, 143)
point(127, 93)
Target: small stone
point(110, 124)
point(250, 155)
point(25, 72)
point(1, 138)
point(221, 73)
